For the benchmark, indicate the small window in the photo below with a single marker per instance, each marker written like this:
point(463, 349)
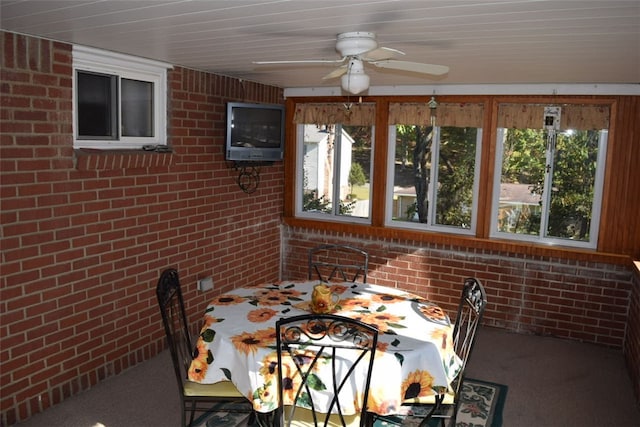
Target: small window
point(97, 98)
point(119, 101)
point(137, 108)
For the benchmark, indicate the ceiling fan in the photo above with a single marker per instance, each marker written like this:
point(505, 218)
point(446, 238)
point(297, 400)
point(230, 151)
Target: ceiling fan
point(361, 47)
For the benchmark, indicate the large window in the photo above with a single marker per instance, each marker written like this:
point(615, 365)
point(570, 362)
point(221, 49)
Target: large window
point(119, 101)
point(334, 162)
point(435, 168)
point(543, 174)
point(548, 178)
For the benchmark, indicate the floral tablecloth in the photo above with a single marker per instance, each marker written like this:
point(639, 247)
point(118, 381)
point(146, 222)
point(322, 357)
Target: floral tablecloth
point(237, 341)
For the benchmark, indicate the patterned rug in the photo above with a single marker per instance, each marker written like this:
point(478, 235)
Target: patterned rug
point(481, 405)
point(223, 415)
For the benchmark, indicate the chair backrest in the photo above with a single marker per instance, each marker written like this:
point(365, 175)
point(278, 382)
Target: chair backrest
point(175, 323)
point(324, 365)
point(338, 263)
point(470, 310)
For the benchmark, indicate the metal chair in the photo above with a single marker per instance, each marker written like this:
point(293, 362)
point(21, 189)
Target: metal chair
point(445, 405)
point(194, 397)
point(338, 262)
point(335, 395)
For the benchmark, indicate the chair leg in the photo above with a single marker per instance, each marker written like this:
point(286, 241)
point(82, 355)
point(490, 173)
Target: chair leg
point(454, 414)
point(267, 419)
point(368, 418)
point(193, 412)
point(183, 415)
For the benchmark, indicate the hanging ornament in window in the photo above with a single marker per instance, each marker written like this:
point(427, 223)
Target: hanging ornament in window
point(551, 125)
point(432, 107)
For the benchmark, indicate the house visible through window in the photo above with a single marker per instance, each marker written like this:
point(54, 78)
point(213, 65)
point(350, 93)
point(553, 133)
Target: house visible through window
point(119, 101)
point(335, 161)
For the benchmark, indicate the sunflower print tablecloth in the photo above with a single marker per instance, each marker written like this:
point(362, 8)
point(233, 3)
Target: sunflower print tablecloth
point(237, 341)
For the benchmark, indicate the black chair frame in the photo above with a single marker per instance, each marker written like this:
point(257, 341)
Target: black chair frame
point(340, 262)
point(179, 341)
point(317, 337)
point(473, 302)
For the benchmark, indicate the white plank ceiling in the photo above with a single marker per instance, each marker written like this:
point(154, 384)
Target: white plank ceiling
point(483, 42)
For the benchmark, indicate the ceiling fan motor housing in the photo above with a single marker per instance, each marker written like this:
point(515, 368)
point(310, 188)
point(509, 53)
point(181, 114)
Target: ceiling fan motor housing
point(355, 43)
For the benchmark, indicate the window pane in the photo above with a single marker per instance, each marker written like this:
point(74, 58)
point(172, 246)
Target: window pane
point(455, 176)
point(548, 184)
point(412, 173)
point(355, 171)
point(336, 170)
point(137, 108)
point(318, 143)
point(573, 184)
point(521, 181)
point(97, 106)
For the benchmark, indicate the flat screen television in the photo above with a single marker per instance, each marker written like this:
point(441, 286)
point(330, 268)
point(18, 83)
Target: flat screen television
point(255, 132)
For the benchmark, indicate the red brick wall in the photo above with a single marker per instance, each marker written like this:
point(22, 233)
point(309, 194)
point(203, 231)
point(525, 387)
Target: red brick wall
point(85, 235)
point(632, 336)
point(577, 300)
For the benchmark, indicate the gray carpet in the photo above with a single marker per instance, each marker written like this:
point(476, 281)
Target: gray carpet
point(552, 382)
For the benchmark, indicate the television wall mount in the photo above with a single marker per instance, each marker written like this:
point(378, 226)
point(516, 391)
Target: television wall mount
point(248, 175)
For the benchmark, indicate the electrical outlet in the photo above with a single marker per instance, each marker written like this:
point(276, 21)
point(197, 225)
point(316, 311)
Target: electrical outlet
point(205, 284)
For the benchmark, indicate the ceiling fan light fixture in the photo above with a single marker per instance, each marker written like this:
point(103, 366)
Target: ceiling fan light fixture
point(355, 80)
point(355, 83)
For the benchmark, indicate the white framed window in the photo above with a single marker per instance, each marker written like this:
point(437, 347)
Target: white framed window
point(548, 177)
point(119, 101)
point(334, 167)
point(334, 161)
point(433, 171)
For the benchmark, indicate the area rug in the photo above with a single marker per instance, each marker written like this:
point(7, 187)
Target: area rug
point(481, 405)
point(225, 415)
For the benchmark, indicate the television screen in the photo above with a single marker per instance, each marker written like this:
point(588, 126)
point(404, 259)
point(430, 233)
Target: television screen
point(255, 132)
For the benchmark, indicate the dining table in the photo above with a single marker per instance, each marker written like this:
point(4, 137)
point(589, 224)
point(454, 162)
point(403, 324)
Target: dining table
point(414, 356)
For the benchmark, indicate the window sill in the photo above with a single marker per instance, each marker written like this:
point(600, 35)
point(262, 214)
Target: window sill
point(92, 159)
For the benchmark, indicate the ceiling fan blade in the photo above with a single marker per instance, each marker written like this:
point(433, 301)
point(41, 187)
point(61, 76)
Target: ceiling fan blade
point(380, 54)
point(336, 73)
point(302, 61)
point(415, 67)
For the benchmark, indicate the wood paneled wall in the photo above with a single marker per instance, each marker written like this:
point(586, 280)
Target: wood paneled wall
point(620, 222)
point(619, 237)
